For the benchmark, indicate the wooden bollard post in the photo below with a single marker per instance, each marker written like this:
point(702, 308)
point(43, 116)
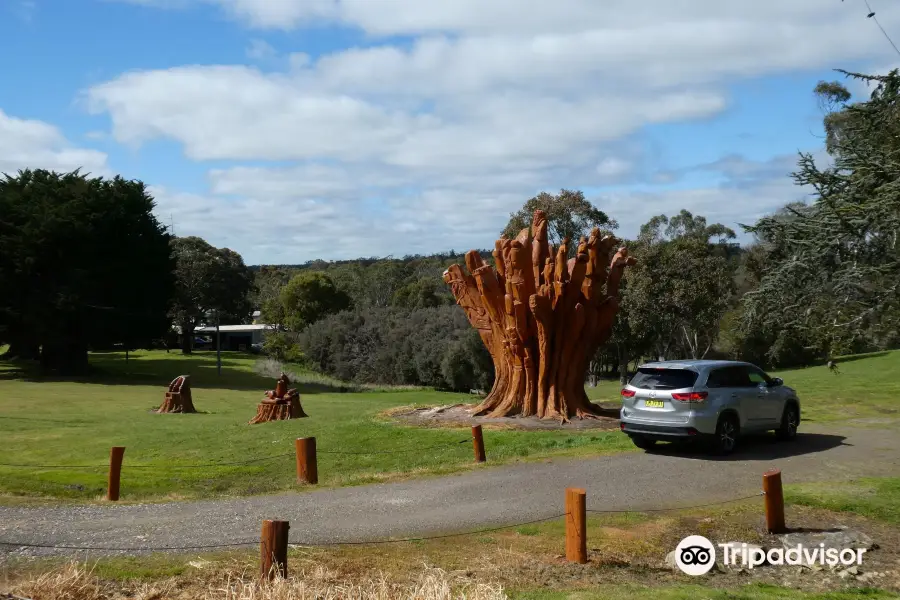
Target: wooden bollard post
point(576, 521)
point(774, 498)
point(115, 472)
point(273, 544)
point(307, 469)
point(478, 443)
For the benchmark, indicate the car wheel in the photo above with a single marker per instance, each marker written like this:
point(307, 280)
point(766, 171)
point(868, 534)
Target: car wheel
point(642, 442)
point(726, 436)
point(790, 421)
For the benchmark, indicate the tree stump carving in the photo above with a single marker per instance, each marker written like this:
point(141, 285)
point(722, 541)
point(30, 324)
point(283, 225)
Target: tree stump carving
point(541, 317)
point(279, 404)
point(178, 397)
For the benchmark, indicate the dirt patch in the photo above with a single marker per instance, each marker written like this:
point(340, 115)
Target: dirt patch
point(460, 415)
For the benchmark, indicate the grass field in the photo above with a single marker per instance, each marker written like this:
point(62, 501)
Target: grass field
point(74, 423)
point(877, 497)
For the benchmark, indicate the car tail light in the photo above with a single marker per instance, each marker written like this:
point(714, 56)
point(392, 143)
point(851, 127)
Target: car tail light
point(622, 426)
point(628, 393)
point(691, 397)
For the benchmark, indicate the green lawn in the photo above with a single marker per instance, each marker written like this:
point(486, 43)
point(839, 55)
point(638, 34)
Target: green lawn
point(877, 497)
point(76, 422)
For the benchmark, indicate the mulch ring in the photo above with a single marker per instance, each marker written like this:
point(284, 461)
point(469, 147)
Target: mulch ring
point(460, 415)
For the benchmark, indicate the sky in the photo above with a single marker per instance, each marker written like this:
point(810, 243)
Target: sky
point(293, 130)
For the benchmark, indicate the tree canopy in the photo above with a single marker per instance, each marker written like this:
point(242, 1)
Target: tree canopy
point(681, 286)
point(308, 297)
point(832, 273)
point(84, 264)
point(569, 215)
point(211, 283)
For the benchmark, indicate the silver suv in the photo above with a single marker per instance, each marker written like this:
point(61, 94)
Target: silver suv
point(713, 400)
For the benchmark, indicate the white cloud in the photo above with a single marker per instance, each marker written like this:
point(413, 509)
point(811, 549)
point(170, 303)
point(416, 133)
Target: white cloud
point(614, 168)
point(295, 214)
point(34, 144)
point(428, 145)
point(261, 50)
point(727, 204)
point(239, 113)
point(406, 17)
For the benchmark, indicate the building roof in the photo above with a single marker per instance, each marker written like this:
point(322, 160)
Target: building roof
point(693, 364)
point(233, 328)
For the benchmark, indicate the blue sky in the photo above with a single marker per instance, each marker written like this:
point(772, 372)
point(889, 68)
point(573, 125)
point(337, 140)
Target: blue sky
point(290, 130)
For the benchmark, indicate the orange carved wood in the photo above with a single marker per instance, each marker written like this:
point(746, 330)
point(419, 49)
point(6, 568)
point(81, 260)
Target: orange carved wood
point(178, 397)
point(279, 404)
point(542, 317)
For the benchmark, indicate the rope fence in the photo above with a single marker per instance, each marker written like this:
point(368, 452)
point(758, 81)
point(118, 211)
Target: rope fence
point(274, 539)
point(304, 451)
point(236, 463)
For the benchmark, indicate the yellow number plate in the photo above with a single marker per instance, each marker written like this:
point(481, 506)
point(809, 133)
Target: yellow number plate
point(654, 403)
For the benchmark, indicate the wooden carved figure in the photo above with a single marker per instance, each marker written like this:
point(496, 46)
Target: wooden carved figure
point(542, 317)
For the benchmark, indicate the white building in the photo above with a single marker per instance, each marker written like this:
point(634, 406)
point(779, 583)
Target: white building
point(235, 337)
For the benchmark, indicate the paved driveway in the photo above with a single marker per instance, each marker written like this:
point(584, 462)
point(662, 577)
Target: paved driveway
point(486, 497)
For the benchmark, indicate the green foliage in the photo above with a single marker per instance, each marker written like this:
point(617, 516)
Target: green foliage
point(569, 215)
point(212, 283)
point(832, 276)
point(676, 294)
point(873, 497)
point(832, 96)
point(424, 293)
point(84, 263)
point(434, 347)
point(282, 345)
point(308, 297)
point(264, 296)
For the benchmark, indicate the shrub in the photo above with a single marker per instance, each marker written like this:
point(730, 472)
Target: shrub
point(282, 346)
point(433, 346)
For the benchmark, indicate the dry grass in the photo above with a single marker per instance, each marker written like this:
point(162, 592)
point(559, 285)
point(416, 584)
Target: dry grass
point(625, 550)
point(75, 581)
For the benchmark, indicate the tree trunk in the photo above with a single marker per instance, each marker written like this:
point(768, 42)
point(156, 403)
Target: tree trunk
point(187, 338)
point(541, 322)
point(65, 356)
point(623, 366)
point(22, 351)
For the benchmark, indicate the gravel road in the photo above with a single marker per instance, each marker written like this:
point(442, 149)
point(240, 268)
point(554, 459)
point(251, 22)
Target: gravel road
point(485, 497)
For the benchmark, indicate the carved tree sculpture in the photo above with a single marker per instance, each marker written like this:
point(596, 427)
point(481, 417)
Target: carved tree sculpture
point(280, 404)
point(542, 318)
point(178, 397)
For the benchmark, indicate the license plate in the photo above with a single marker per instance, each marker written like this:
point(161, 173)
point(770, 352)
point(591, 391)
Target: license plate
point(654, 403)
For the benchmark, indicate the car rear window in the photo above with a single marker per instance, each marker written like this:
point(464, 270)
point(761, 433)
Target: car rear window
point(663, 379)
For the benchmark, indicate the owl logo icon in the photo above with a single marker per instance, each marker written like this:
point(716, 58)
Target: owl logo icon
point(695, 555)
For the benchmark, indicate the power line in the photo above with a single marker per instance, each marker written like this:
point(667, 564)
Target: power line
point(872, 16)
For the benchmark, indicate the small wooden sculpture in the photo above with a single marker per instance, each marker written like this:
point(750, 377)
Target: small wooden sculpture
point(178, 397)
point(280, 404)
point(541, 317)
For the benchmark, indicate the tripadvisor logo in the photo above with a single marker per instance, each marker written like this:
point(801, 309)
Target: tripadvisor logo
point(696, 555)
